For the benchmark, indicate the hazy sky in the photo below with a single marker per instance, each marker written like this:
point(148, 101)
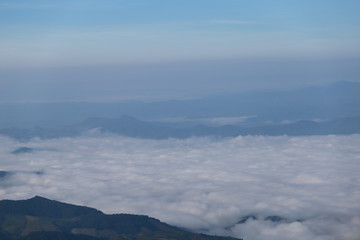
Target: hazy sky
point(172, 48)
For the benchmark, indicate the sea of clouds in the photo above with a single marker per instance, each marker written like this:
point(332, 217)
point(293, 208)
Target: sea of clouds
point(204, 184)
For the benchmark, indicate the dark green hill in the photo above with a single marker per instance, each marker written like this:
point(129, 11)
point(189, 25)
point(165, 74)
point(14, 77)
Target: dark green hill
point(42, 207)
point(43, 219)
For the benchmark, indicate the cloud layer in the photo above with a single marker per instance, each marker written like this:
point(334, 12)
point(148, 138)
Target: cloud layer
point(203, 184)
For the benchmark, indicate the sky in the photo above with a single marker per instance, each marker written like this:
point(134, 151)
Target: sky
point(172, 49)
point(203, 184)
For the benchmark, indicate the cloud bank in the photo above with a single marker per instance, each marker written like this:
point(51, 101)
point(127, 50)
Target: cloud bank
point(254, 187)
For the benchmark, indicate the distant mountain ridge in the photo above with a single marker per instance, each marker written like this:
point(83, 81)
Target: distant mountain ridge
point(333, 101)
point(132, 127)
point(43, 219)
point(336, 106)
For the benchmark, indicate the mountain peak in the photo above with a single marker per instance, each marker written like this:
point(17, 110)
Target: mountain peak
point(38, 198)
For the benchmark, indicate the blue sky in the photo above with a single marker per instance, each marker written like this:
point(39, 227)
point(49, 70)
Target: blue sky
point(86, 34)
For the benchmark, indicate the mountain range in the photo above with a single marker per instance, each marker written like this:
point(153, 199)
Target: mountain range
point(254, 108)
point(331, 109)
point(132, 127)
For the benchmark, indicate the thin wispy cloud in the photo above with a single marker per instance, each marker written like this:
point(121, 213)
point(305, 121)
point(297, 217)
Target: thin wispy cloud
point(188, 30)
point(63, 5)
point(231, 22)
point(20, 5)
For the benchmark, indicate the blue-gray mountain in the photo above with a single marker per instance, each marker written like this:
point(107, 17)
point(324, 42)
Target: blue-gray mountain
point(132, 127)
point(339, 100)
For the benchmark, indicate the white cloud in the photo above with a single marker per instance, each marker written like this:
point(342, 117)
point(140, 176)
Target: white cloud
point(201, 183)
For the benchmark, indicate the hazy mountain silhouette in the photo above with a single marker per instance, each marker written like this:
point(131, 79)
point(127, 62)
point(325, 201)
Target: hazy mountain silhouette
point(132, 127)
point(21, 150)
point(4, 174)
point(338, 100)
